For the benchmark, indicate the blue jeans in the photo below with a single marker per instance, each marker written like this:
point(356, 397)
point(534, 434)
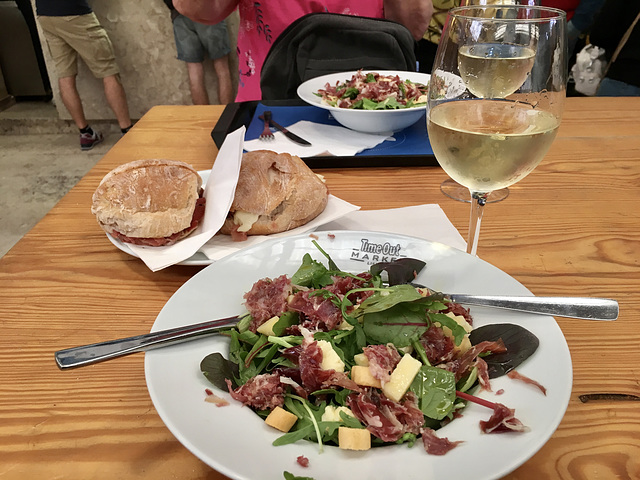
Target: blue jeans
point(614, 88)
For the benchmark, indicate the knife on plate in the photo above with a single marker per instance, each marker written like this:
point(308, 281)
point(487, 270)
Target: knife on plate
point(571, 307)
point(266, 116)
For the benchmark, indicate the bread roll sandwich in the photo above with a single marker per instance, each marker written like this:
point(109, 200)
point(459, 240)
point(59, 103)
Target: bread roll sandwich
point(275, 193)
point(149, 202)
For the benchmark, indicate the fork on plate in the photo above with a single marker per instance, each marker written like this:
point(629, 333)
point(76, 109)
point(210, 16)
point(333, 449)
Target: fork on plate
point(266, 134)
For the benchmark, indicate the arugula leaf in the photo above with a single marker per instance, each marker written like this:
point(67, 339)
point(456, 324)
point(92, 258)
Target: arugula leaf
point(216, 369)
point(311, 274)
point(436, 391)
point(350, 93)
point(332, 265)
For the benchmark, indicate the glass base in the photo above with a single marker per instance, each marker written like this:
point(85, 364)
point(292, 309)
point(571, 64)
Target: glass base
point(453, 189)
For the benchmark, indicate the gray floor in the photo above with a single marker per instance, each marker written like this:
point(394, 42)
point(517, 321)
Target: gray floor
point(40, 160)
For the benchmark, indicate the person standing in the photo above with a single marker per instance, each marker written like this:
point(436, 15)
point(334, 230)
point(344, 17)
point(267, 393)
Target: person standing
point(193, 40)
point(72, 30)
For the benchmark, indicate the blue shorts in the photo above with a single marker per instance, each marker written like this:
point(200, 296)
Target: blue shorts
point(194, 40)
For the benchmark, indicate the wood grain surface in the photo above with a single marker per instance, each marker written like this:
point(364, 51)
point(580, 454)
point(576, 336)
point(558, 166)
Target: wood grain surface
point(572, 227)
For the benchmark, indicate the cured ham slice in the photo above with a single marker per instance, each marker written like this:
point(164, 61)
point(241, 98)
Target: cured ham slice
point(266, 299)
point(503, 420)
point(319, 313)
point(315, 378)
point(438, 347)
point(518, 376)
point(435, 445)
point(382, 360)
point(461, 365)
point(384, 418)
point(263, 392)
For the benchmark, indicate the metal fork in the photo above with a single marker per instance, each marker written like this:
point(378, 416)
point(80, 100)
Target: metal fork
point(266, 134)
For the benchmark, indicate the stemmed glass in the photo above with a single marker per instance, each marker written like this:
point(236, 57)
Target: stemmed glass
point(450, 187)
point(513, 62)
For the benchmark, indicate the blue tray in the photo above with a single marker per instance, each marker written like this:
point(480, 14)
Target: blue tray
point(410, 148)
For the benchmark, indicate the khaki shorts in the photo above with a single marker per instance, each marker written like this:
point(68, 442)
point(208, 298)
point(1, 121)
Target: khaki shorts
point(68, 37)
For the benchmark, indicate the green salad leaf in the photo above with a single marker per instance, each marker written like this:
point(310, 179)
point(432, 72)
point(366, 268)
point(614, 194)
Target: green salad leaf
point(436, 391)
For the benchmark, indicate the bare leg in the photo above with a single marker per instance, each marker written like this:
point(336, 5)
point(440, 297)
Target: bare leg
point(225, 89)
point(199, 94)
point(117, 99)
point(71, 99)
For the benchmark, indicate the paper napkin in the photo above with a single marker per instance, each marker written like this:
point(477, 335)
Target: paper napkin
point(422, 221)
point(324, 139)
point(221, 245)
point(219, 192)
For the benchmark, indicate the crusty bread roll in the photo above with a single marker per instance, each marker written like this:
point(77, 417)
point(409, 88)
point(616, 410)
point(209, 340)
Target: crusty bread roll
point(275, 193)
point(148, 199)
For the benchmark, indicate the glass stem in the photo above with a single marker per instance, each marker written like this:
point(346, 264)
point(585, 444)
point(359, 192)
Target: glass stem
point(478, 201)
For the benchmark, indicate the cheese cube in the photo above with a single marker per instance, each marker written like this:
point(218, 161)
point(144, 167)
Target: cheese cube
point(330, 359)
point(281, 419)
point(332, 414)
point(267, 327)
point(361, 359)
point(362, 376)
point(354, 438)
point(401, 377)
point(460, 320)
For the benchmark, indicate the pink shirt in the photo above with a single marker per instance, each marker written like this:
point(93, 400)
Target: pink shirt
point(262, 22)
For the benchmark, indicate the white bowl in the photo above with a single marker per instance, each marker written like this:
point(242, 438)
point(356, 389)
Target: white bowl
point(368, 121)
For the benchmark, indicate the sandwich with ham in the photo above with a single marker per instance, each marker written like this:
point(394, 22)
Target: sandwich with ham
point(150, 202)
point(276, 192)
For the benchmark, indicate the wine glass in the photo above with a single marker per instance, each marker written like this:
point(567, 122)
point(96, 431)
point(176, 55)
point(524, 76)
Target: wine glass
point(450, 187)
point(513, 63)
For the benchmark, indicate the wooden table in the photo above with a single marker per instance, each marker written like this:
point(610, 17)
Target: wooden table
point(572, 227)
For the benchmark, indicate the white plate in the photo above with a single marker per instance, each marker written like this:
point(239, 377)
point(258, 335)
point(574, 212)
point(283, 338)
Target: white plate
point(237, 443)
point(372, 121)
point(196, 259)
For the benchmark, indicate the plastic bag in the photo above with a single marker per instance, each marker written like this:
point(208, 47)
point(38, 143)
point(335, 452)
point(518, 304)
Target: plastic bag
point(589, 69)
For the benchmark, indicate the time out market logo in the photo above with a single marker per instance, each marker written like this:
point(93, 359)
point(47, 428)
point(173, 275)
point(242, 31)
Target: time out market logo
point(370, 252)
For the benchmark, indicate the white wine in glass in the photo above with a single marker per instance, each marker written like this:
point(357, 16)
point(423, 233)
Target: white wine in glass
point(513, 61)
point(487, 79)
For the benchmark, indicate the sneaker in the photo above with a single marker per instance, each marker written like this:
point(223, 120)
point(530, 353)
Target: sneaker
point(88, 140)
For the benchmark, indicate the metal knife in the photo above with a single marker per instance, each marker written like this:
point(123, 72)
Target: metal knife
point(291, 136)
point(571, 307)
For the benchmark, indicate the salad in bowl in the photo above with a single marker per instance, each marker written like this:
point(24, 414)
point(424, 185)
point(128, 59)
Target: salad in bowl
point(372, 102)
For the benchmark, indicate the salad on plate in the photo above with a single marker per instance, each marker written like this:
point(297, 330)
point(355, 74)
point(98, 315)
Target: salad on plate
point(364, 360)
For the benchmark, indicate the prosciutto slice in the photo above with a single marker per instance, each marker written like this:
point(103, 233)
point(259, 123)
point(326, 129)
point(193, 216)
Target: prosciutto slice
point(435, 445)
point(319, 313)
point(384, 418)
point(315, 378)
point(382, 360)
point(461, 365)
point(438, 347)
point(266, 299)
point(518, 376)
point(502, 420)
point(263, 392)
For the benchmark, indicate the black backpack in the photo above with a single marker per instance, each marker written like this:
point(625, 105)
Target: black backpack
point(322, 43)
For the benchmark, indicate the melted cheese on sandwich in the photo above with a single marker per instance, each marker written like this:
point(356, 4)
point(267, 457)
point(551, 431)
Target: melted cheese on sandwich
point(245, 220)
